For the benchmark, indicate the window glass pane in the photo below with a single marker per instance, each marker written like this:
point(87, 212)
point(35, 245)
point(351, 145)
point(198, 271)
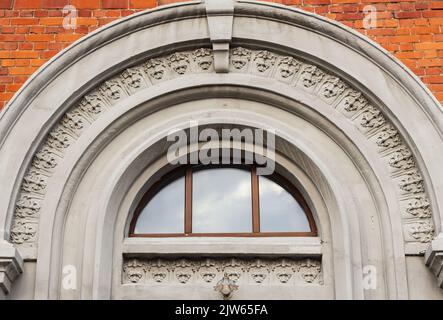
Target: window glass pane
point(279, 211)
point(221, 201)
point(164, 213)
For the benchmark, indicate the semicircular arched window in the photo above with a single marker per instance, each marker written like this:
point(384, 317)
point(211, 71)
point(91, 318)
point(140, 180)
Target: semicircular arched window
point(222, 201)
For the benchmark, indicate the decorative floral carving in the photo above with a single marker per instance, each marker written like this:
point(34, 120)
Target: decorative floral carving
point(233, 269)
point(134, 270)
point(22, 232)
point(92, 104)
point(155, 68)
point(402, 159)
point(45, 159)
point(240, 57)
point(158, 270)
point(332, 87)
point(27, 206)
point(354, 101)
point(413, 183)
point(283, 270)
point(309, 270)
point(208, 270)
point(113, 90)
point(203, 58)
point(33, 181)
point(264, 60)
point(73, 120)
point(311, 75)
point(419, 207)
point(133, 78)
point(59, 138)
point(372, 118)
point(179, 62)
point(422, 231)
point(258, 271)
point(388, 137)
point(288, 66)
point(184, 270)
point(204, 271)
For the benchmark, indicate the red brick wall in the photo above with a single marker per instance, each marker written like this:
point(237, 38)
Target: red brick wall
point(31, 31)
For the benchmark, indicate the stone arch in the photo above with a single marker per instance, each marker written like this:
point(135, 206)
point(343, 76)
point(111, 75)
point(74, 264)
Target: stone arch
point(384, 120)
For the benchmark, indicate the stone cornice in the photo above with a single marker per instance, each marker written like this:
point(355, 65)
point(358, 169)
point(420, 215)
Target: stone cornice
point(434, 258)
point(11, 265)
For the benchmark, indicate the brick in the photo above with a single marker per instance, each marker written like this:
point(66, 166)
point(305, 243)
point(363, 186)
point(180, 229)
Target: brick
point(87, 21)
point(22, 70)
point(24, 21)
point(67, 37)
point(39, 37)
point(115, 4)
point(5, 4)
point(430, 62)
point(24, 54)
point(52, 4)
point(407, 15)
point(6, 79)
point(142, 4)
point(433, 14)
point(430, 53)
point(27, 4)
point(7, 62)
point(433, 79)
point(12, 37)
point(409, 55)
point(436, 5)
point(37, 62)
point(52, 21)
point(13, 87)
point(86, 4)
point(429, 45)
point(317, 2)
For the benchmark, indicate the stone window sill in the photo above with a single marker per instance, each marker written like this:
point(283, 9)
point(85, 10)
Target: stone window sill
point(221, 246)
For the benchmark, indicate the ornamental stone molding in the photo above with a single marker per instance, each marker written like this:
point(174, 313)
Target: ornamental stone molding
point(356, 132)
point(207, 271)
point(11, 265)
point(434, 259)
point(352, 104)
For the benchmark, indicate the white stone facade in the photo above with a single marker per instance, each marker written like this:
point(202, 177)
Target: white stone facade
point(357, 133)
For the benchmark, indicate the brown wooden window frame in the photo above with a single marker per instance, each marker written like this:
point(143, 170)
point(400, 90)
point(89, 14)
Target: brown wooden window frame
point(187, 172)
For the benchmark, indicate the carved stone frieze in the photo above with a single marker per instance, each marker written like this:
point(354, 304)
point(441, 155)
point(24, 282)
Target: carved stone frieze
point(23, 231)
point(353, 101)
point(264, 60)
point(240, 57)
point(179, 62)
point(252, 271)
point(27, 206)
point(204, 58)
point(419, 207)
point(372, 118)
point(311, 75)
point(288, 67)
point(332, 87)
point(314, 80)
point(155, 68)
point(412, 183)
point(422, 231)
point(402, 159)
point(133, 78)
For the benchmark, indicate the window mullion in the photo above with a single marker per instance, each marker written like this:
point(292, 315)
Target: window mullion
point(255, 201)
point(188, 201)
